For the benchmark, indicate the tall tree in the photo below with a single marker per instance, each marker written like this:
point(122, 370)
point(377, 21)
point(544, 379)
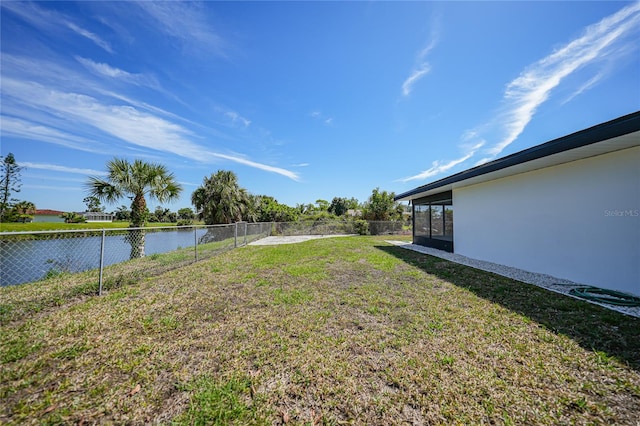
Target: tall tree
point(135, 180)
point(323, 205)
point(9, 182)
point(162, 214)
point(93, 204)
point(381, 206)
point(270, 210)
point(220, 199)
point(186, 214)
point(353, 203)
point(123, 213)
point(338, 206)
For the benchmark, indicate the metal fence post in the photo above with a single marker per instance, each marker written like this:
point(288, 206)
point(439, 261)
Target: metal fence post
point(195, 242)
point(245, 233)
point(101, 262)
point(235, 236)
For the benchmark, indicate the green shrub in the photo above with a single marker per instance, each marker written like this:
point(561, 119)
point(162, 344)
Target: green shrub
point(362, 227)
point(71, 217)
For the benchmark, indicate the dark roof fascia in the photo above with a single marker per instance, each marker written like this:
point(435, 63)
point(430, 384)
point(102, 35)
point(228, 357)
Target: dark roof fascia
point(617, 127)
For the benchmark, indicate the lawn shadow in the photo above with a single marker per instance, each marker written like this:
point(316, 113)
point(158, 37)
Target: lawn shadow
point(593, 327)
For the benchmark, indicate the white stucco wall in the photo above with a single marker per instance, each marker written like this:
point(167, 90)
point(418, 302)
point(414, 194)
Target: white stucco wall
point(578, 220)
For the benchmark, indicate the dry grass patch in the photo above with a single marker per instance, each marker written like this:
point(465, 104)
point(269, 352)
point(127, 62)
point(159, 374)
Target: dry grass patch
point(332, 331)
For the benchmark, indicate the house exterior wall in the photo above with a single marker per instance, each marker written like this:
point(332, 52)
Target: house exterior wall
point(47, 218)
point(578, 220)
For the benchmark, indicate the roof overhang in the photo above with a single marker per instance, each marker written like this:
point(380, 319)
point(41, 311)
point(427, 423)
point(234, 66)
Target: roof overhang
point(621, 133)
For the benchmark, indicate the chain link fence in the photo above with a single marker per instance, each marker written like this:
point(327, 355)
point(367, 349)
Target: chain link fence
point(314, 227)
point(107, 257)
point(95, 260)
point(333, 227)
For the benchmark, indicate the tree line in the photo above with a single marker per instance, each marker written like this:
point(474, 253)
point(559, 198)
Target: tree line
point(219, 200)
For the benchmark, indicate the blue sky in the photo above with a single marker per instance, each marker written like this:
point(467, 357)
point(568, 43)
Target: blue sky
point(303, 100)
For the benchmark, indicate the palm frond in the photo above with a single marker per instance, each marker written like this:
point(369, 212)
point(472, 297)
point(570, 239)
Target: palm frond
point(135, 180)
point(103, 190)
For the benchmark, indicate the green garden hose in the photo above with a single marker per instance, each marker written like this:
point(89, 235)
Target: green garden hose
point(602, 295)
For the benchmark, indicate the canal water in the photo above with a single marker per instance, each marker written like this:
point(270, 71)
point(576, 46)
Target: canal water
point(24, 260)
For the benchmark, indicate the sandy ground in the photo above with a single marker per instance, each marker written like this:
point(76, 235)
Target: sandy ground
point(292, 239)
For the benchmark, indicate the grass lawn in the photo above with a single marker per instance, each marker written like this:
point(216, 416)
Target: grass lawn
point(59, 226)
point(330, 331)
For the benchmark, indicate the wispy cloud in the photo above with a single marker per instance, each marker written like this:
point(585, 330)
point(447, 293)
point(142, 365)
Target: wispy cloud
point(597, 47)
point(91, 36)
point(422, 67)
point(63, 169)
point(586, 86)
point(53, 188)
point(438, 167)
point(265, 167)
point(237, 118)
point(142, 105)
point(49, 21)
point(15, 127)
point(54, 74)
point(50, 72)
point(185, 21)
point(42, 19)
point(125, 122)
point(50, 100)
point(49, 177)
point(105, 70)
point(419, 72)
point(535, 84)
point(318, 115)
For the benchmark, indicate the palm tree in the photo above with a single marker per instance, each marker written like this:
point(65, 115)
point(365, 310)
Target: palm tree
point(135, 181)
point(220, 199)
point(25, 210)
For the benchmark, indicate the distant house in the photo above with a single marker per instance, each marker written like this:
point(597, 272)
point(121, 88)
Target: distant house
point(569, 208)
point(98, 216)
point(45, 215)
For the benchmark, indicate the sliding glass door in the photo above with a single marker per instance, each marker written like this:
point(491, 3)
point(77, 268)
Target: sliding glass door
point(433, 221)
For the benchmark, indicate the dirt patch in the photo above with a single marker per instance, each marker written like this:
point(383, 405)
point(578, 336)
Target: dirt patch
point(292, 239)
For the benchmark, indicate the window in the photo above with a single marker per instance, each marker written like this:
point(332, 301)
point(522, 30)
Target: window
point(421, 220)
point(437, 221)
point(433, 221)
point(448, 221)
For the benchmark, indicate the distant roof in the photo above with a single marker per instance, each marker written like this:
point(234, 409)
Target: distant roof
point(620, 133)
point(48, 212)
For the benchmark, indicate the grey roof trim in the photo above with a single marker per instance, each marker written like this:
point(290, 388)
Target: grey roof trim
point(611, 129)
